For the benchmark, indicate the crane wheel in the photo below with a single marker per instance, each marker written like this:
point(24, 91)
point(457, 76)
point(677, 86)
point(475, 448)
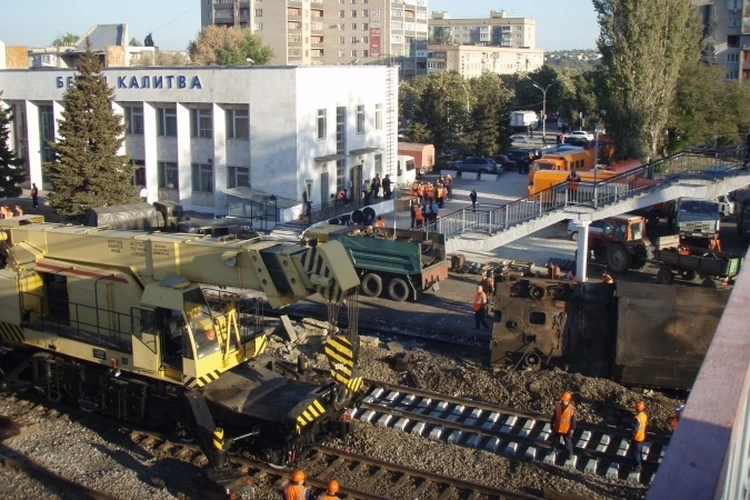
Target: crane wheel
point(398, 289)
point(664, 276)
point(371, 285)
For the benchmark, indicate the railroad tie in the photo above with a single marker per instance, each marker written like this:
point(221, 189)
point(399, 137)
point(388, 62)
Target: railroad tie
point(491, 421)
point(448, 493)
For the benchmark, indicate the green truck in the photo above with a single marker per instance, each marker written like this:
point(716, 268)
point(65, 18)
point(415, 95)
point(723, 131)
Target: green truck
point(398, 264)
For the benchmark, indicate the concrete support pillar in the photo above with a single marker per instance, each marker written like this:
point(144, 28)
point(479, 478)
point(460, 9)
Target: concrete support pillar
point(35, 144)
point(149, 151)
point(184, 156)
point(220, 159)
point(118, 110)
point(582, 226)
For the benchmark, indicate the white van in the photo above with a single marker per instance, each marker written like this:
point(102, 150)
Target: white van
point(407, 170)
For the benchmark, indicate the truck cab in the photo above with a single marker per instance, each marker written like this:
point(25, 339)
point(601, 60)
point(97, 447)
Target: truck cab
point(407, 169)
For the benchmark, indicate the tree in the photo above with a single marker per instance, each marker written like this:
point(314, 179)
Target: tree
point(11, 166)
point(644, 44)
point(232, 46)
point(528, 97)
point(578, 98)
point(87, 170)
point(148, 41)
point(65, 40)
point(488, 130)
point(171, 58)
point(134, 42)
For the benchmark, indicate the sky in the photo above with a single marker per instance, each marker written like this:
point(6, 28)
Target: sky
point(560, 25)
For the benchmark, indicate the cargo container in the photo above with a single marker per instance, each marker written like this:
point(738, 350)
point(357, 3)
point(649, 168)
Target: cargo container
point(423, 154)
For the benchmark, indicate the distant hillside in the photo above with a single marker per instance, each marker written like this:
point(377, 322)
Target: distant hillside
point(581, 60)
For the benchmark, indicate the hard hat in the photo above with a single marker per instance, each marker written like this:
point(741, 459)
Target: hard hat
point(640, 406)
point(567, 396)
point(299, 476)
point(333, 486)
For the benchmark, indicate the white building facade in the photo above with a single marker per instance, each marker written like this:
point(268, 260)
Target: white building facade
point(194, 133)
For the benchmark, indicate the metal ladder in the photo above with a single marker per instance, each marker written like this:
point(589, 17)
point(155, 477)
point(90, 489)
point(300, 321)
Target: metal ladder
point(390, 112)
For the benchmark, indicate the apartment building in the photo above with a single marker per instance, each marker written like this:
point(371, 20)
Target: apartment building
point(202, 136)
point(332, 32)
point(726, 35)
point(471, 61)
point(499, 30)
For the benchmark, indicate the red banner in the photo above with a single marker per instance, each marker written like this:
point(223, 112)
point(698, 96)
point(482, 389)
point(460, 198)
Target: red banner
point(374, 42)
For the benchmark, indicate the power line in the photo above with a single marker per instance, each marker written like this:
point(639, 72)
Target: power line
point(175, 19)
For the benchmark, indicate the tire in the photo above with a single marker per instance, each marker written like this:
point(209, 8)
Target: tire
point(688, 275)
point(574, 236)
point(618, 258)
point(398, 289)
point(665, 276)
point(708, 283)
point(371, 285)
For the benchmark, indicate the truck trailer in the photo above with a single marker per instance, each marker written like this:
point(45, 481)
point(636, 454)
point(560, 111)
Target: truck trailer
point(423, 154)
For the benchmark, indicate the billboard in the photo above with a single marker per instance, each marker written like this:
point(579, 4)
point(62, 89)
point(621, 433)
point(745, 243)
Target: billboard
point(374, 42)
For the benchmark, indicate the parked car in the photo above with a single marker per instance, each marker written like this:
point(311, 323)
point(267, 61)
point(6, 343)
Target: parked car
point(726, 206)
point(581, 134)
point(519, 139)
point(522, 158)
point(504, 162)
point(475, 164)
point(577, 141)
point(565, 148)
point(596, 227)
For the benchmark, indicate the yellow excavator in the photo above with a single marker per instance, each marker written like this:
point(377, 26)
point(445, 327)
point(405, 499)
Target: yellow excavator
point(118, 322)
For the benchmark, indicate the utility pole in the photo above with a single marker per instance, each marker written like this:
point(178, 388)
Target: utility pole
point(602, 114)
point(544, 107)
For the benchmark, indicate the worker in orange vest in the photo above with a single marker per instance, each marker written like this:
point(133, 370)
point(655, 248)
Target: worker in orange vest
point(380, 222)
point(480, 309)
point(564, 424)
point(330, 494)
point(296, 489)
point(640, 425)
point(418, 215)
point(607, 278)
point(573, 180)
point(676, 417)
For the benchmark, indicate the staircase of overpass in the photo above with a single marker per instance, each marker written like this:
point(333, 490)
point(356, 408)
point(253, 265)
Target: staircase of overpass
point(703, 174)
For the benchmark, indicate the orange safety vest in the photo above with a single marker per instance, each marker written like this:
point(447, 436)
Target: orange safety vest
point(675, 421)
point(430, 191)
point(440, 191)
point(563, 418)
point(380, 223)
point(480, 299)
point(418, 215)
point(640, 436)
point(414, 190)
point(420, 190)
point(295, 492)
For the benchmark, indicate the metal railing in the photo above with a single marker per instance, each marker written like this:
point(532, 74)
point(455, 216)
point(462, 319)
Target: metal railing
point(704, 164)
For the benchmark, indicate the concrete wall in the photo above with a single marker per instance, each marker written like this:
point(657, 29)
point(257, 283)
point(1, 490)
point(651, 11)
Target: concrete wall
point(16, 57)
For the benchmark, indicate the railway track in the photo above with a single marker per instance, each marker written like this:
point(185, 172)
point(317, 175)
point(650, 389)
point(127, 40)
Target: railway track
point(366, 478)
point(516, 434)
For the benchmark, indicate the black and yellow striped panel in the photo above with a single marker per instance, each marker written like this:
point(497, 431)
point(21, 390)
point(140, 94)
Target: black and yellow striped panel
point(202, 380)
point(218, 440)
point(314, 263)
point(261, 343)
point(11, 333)
point(355, 385)
point(312, 412)
point(340, 356)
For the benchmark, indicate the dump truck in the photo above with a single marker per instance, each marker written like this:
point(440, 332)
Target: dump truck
point(524, 119)
point(423, 154)
point(396, 263)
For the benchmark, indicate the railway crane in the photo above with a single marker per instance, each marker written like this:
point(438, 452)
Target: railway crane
point(117, 322)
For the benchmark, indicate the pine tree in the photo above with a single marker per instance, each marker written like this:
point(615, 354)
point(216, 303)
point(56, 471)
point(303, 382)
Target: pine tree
point(148, 41)
point(11, 167)
point(88, 171)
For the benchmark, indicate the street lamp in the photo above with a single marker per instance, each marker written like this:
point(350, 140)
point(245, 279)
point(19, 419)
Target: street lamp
point(602, 114)
point(544, 107)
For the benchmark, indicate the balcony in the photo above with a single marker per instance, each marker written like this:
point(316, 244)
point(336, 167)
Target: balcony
point(746, 25)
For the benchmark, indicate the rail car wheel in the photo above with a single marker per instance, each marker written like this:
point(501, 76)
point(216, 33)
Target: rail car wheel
point(532, 361)
point(371, 285)
point(618, 258)
point(536, 293)
point(708, 283)
point(688, 275)
point(665, 276)
point(398, 289)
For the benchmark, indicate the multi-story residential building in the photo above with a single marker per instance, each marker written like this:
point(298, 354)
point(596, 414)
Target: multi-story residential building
point(318, 32)
point(498, 29)
point(203, 136)
point(726, 35)
point(472, 61)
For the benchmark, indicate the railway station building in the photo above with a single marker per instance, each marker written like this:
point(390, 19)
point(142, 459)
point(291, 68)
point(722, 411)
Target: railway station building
point(209, 136)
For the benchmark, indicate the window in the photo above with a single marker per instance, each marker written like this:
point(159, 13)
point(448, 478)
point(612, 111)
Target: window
point(340, 146)
point(258, 26)
point(355, 39)
point(258, 12)
point(365, 53)
point(379, 164)
point(365, 39)
point(354, 27)
point(139, 172)
point(354, 53)
point(361, 119)
point(203, 178)
point(733, 75)
point(342, 40)
point(169, 177)
point(322, 125)
point(238, 124)
point(238, 177)
point(354, 13)
point(342, 14)
point(365, 13)
point(365, 26)
point(378, 117)
point(733, 57)
point(47, 126)
point(733, 41)
point(166, 122)
point(134, 119)
point(201, 123)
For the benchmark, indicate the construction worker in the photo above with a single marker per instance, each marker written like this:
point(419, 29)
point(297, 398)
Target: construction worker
point(296, 489)
point(564, 423)
point(607, 278)
point(380, 222)
point(330, 494)
point(488, 283)
point(480, 309)
point(418, 215)
point(640, 423)
point(715, 244)
point(676, 417)
point(573, 180)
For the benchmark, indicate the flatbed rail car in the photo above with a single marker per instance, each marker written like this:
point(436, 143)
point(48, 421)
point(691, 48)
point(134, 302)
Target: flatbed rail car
point(689, 262)
point(396, 263)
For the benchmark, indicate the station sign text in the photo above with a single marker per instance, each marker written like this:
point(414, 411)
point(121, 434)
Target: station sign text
point(144, 82)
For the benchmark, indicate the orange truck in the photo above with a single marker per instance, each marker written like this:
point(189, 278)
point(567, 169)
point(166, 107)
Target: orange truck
point(423, 154)
point(545, 179)
point(580, 160)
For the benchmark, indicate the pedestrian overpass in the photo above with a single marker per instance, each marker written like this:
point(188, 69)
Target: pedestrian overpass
point(705, 174)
